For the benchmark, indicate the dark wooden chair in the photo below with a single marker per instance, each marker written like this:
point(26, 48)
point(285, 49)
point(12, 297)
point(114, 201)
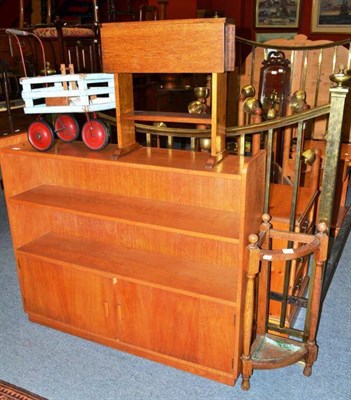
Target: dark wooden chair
point(77, 44)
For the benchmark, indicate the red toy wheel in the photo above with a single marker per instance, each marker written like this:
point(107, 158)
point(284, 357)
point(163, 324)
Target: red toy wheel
point(95, 134)
point(41, 135)
point(66, 128)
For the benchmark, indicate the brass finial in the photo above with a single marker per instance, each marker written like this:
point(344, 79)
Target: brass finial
point(342, 78)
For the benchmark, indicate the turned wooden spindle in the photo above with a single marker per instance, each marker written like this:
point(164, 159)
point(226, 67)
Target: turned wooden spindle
point(320, 257)
point(252, 272)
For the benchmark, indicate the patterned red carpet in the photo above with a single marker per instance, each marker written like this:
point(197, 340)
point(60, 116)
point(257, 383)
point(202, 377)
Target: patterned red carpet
point(11, 392)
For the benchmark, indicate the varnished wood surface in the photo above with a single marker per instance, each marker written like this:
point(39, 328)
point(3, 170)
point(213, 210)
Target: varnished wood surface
point(177, 46)
point(203, 222)
point(281, 196)
point(187, 162)
point(175, 274)
point(150, 233)
point(201, 370)
point(12, 139)
point(84, 303)
point(119, 233)
point(176, 337)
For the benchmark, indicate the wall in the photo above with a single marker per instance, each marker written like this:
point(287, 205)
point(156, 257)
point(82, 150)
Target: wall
point(179, 9)
point(243, 13)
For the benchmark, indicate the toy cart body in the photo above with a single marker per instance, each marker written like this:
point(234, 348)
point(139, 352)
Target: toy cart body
point(63, 94)
point(71, 93)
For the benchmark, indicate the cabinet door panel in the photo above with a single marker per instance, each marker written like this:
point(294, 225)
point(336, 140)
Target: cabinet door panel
point(77, 298)
point(181, 326)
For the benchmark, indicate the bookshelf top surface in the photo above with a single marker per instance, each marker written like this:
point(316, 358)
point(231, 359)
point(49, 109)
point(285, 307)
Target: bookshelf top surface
point(146, 157)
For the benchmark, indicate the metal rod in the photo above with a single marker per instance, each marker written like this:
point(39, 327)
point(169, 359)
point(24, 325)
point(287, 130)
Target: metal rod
point(253, 57)
point(320, 60)
point(292, 220)
point(312, 47)
point(269, 149)
point(288, 331)
point(304, 70)
point(332, 152)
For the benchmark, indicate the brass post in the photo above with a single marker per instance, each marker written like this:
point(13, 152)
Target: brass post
point(332, 151)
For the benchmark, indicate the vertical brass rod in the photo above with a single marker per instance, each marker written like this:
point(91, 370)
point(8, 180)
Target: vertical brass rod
point(349, 58)
point(253, 58)
point(265, 54)
point(287, 272)
point(292, 65)
point(304, 70)
point(269, 149)
point(169, 142)
point(299, 148)
point(334, 58)
point(320, 60)
point(332, 153)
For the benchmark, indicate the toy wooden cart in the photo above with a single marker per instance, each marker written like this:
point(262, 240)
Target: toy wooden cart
point(64, 94)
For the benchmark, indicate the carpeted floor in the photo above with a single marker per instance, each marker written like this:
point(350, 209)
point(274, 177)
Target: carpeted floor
point(58, 366)
point(11, 392)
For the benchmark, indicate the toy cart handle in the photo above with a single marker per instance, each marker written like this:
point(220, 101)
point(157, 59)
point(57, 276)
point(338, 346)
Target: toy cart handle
point(18, 32)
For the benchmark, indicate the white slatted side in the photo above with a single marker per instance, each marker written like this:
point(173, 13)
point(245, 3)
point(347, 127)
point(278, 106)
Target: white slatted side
point(83, 92)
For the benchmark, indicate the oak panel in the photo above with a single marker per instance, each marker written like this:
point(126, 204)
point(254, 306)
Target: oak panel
point(192, 45)
point(185, 327)
point(74, 297)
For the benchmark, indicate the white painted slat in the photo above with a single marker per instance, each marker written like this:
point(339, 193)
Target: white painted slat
point(85, 86)
point(43, 109)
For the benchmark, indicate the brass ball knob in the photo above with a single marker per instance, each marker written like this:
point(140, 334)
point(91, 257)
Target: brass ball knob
point(205, 144)
point(248, 91)
point(271, 114)
point(309, 156)
point(196, 107)
point(251, 104)
point(300, 94)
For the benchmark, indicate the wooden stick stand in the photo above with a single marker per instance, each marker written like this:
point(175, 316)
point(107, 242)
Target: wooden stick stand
point(168, 47)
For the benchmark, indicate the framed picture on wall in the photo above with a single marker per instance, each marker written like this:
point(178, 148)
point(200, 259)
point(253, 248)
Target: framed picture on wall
point(262, 37)
point(331, 16)
point(277, 13)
